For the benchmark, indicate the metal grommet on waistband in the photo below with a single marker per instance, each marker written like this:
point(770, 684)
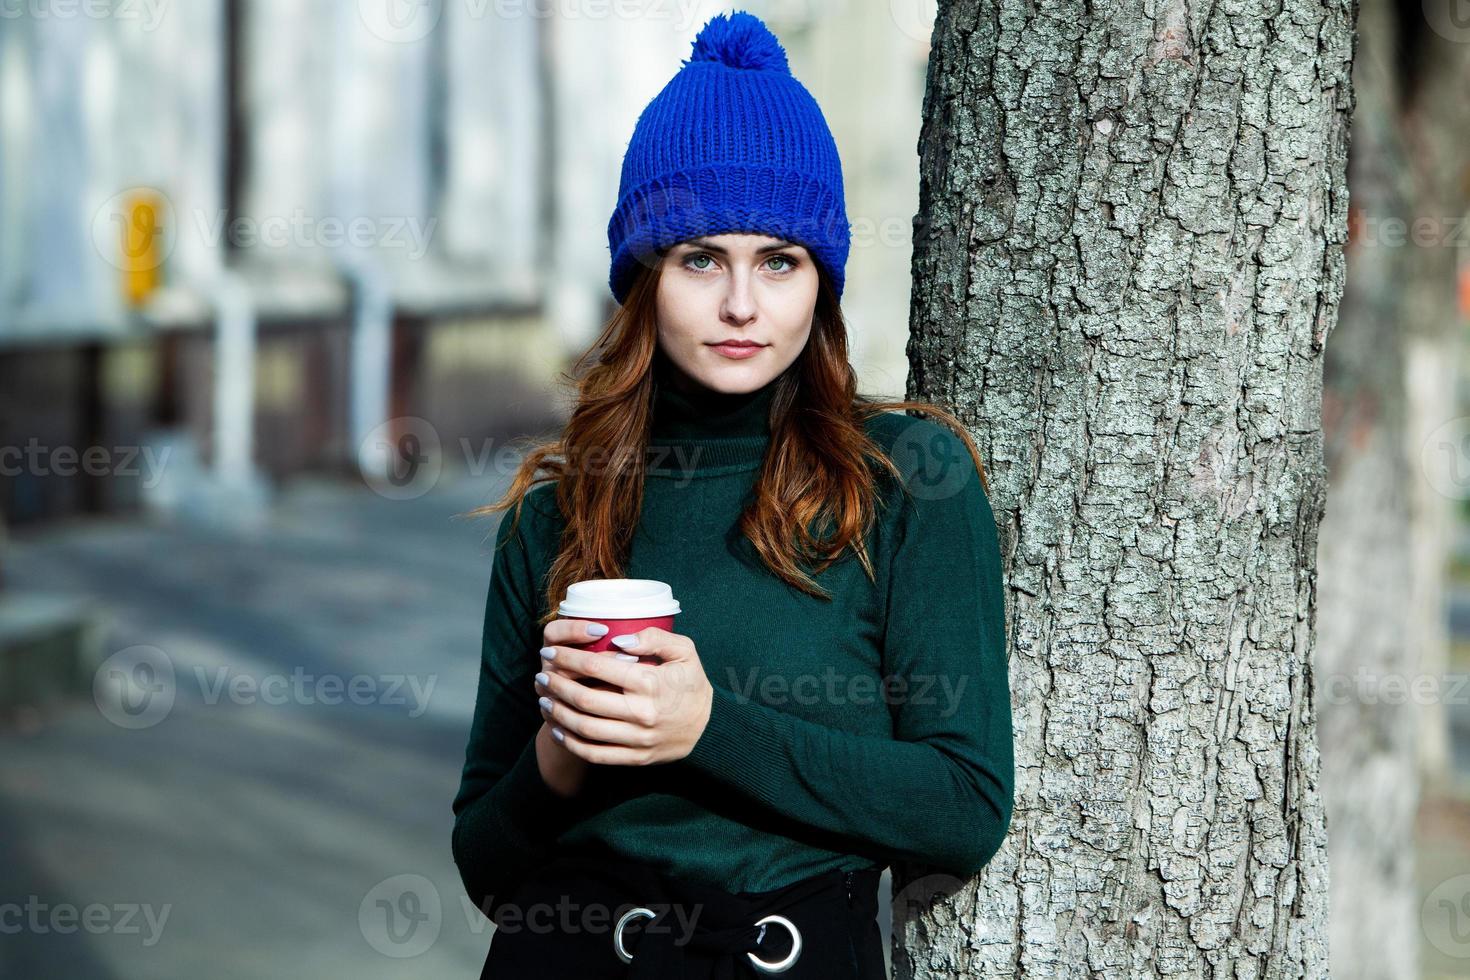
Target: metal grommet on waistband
point(785, 962)
point(622, 952)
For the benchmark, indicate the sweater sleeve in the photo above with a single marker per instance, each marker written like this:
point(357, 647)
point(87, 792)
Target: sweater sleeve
point(940, 790)
point(506, 818)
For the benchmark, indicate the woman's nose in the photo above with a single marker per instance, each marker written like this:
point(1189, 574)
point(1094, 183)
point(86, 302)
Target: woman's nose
point(739, 300)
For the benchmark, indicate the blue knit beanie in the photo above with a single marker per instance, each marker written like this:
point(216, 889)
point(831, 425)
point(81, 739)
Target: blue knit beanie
point(733, 143)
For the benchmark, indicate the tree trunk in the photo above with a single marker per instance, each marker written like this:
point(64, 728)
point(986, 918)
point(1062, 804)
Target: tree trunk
point(1127, 262)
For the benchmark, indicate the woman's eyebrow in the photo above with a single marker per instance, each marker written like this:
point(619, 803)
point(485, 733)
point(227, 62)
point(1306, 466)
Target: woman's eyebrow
point(710, 246)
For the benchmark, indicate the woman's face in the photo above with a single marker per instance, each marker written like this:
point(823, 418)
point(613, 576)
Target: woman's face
point(735, 287)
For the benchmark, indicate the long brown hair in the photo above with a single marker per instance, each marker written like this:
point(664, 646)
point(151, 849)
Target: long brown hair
point(816, 464)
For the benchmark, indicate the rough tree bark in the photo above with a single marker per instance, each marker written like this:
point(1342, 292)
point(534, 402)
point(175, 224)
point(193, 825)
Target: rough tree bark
point(1127, 260)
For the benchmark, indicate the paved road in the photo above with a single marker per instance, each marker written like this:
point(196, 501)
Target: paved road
point(254, 829)
point(239, 833)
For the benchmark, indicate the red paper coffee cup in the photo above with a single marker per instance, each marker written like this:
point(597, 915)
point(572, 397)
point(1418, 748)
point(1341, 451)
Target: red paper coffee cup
point(624, 605)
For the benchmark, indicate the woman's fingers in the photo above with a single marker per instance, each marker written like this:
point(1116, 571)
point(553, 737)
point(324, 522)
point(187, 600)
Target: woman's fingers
point(593, 728)
point(604, 703)
point(574, 632)
point(588, 689)
point(654, 642)
point(578, 632)
point(604, 753)
point(630, 676)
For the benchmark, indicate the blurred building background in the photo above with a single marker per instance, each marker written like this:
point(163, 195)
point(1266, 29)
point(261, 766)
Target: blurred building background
point(254, 230)
point(281, 283)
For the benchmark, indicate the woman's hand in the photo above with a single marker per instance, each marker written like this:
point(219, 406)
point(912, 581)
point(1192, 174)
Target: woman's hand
point(562, 770)
point(656, 714)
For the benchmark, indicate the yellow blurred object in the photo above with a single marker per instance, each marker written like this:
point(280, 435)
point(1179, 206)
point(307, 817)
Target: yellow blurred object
point(142, 244)
point(1465, 290)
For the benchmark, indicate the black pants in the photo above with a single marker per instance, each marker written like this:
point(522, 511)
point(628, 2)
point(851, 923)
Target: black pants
point(561, 923)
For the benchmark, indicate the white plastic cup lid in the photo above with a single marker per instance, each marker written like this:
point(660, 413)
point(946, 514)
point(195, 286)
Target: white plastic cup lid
point(618, 598)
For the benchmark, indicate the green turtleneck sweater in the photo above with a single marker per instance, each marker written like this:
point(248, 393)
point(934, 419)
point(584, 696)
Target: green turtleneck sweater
point(844, 733)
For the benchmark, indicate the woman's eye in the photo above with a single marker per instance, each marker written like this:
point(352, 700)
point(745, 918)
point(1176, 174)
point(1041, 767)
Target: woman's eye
point(697, 257)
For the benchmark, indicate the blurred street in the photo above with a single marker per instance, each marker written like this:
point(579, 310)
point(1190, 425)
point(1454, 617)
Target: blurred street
point(254, 833)
point(259, 827)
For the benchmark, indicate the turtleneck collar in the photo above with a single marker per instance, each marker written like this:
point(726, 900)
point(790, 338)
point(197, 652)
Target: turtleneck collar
point(706, 430)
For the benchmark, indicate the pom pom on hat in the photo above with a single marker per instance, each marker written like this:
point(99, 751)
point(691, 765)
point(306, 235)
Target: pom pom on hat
point(740, 40)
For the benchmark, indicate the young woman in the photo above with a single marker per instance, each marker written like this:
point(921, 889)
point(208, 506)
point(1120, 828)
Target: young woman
point(835, 697)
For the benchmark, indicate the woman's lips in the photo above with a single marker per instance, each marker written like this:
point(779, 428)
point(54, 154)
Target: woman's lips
point(738, 351)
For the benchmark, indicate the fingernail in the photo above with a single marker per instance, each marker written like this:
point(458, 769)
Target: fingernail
point(596, 629)
point(558, 734)
point(548, 652)
point(541, 679)
point(624, 656)
point(626, 640)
